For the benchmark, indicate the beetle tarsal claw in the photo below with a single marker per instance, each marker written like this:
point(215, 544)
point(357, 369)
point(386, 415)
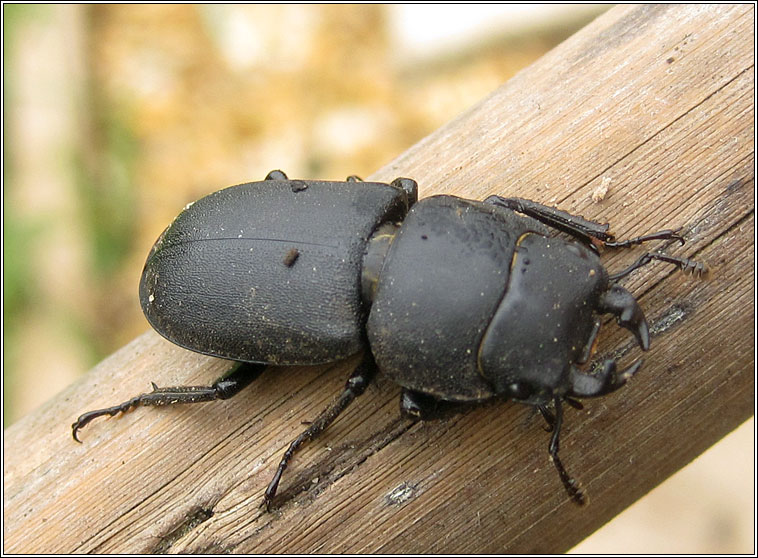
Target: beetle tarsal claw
point(86, 418)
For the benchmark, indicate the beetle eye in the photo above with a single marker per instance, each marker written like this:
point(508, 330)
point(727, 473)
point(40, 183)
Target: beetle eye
point(520, 390)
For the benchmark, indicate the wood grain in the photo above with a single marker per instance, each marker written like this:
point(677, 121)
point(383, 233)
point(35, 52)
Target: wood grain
point(655, 102)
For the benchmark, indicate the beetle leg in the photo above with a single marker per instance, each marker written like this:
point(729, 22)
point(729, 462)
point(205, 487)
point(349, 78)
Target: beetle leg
point(666, 234)
point(602, 383)
point(410, 186)
point(571, 485)
point(620, 302)
point(591, 232)
point(572, 224)
point(548, 416)
point(355, 386)
point(276, 175)
point(225, 387)
point(416, 405)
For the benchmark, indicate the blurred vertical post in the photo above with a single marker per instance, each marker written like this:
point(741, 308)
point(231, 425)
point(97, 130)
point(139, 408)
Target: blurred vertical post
point(46, 286)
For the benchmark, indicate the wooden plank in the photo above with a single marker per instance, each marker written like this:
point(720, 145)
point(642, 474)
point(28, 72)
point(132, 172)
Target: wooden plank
point(655, 102)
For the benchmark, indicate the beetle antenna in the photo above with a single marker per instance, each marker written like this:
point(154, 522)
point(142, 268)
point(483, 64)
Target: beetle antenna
point(548, 416)
point(571, 485)
point(687, 266)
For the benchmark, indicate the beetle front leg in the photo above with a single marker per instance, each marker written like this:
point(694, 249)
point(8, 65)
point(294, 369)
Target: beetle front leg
point(591, 232)
point(355, 386)
point(225, 387)
point(561, 220)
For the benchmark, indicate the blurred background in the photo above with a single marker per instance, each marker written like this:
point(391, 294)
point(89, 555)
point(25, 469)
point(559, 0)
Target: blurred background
point(116, 116)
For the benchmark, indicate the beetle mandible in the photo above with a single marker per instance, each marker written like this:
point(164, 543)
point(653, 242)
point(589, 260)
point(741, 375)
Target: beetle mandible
point(455, 300)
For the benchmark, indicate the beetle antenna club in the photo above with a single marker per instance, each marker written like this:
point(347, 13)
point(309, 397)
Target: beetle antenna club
point(333, 269)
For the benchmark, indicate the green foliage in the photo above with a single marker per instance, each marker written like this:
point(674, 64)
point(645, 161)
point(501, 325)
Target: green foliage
point(107, 195)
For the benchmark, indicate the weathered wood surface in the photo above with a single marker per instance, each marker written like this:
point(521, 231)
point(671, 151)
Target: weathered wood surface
point(654, 101)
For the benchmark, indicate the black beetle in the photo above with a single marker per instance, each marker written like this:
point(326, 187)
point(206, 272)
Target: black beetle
point(455, 300)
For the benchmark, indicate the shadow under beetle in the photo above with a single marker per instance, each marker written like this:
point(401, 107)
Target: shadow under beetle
point(455, 300)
